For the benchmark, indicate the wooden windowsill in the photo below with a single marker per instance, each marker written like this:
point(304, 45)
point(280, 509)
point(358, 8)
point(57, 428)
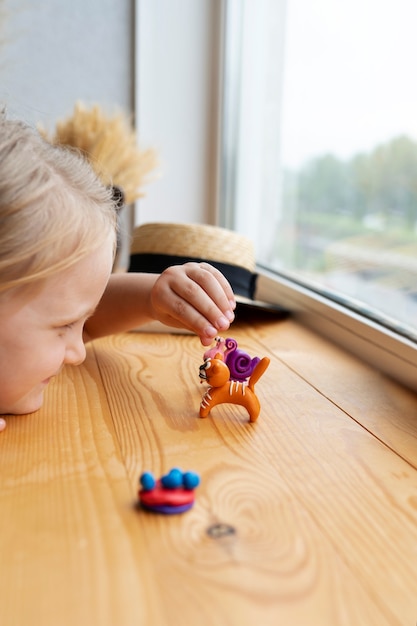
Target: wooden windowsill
point(317, 499)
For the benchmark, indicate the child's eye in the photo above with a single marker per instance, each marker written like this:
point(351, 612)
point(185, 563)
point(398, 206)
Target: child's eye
point(69, 326)
point(62, 329)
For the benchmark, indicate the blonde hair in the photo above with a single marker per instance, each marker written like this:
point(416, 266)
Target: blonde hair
point(54, 210)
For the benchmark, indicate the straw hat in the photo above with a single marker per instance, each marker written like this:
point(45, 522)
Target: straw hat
point(156, 246)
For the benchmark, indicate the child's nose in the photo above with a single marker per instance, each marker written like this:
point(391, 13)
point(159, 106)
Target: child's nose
point(75, 352)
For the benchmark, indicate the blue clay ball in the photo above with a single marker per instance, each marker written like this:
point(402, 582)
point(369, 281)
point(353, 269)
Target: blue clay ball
point(173, 480)
point(190, 480)
point(147, 481)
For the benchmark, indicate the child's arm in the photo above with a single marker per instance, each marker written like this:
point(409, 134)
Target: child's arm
point(195, 296)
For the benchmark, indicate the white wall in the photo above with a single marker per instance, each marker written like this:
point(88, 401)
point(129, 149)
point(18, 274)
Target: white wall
point(178, 50)
point(54, 53)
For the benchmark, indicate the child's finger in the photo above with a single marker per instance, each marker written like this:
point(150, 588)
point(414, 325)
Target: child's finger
point(197, 297)
point(208, 279)
point(191, 306)
point(223, 282)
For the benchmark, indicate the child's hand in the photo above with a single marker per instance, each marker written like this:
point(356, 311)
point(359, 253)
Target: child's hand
point(2, 424)
point(195, 296)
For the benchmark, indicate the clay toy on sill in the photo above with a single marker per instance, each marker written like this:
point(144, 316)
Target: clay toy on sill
point(223, 389)
point(172, 493)
point(240, 364)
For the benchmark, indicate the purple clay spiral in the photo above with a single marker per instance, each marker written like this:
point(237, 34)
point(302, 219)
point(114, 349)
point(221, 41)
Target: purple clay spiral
point(230, 344)
point(240, 364)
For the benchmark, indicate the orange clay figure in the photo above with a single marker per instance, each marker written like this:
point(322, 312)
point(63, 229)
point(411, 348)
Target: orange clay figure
point(223, 390)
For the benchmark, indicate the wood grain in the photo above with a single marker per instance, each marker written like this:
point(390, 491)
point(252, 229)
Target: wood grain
point(308, 516)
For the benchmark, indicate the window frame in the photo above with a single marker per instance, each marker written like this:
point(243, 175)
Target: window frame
point(375, 344)
point(386, 350)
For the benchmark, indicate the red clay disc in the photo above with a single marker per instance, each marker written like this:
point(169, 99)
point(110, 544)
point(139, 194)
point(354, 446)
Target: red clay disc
point(160, 496)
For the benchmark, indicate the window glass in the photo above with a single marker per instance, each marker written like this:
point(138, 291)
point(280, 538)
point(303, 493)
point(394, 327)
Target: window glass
point(321, 130)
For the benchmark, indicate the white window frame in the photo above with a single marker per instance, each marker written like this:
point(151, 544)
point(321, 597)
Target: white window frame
point(383, 348)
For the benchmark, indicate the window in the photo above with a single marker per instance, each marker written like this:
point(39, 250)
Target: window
point(319, 164)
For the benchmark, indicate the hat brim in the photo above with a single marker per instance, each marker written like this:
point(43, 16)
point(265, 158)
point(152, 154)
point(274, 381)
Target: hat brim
point(242, 281)
point(157, 246)
point(258, 304)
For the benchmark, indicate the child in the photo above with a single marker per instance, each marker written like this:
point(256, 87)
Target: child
point(57, 242)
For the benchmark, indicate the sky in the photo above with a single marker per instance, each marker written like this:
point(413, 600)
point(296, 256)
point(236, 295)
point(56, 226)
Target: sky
point(349, 79)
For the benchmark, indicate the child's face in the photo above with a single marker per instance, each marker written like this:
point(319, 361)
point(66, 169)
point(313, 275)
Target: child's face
point(42, 330)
